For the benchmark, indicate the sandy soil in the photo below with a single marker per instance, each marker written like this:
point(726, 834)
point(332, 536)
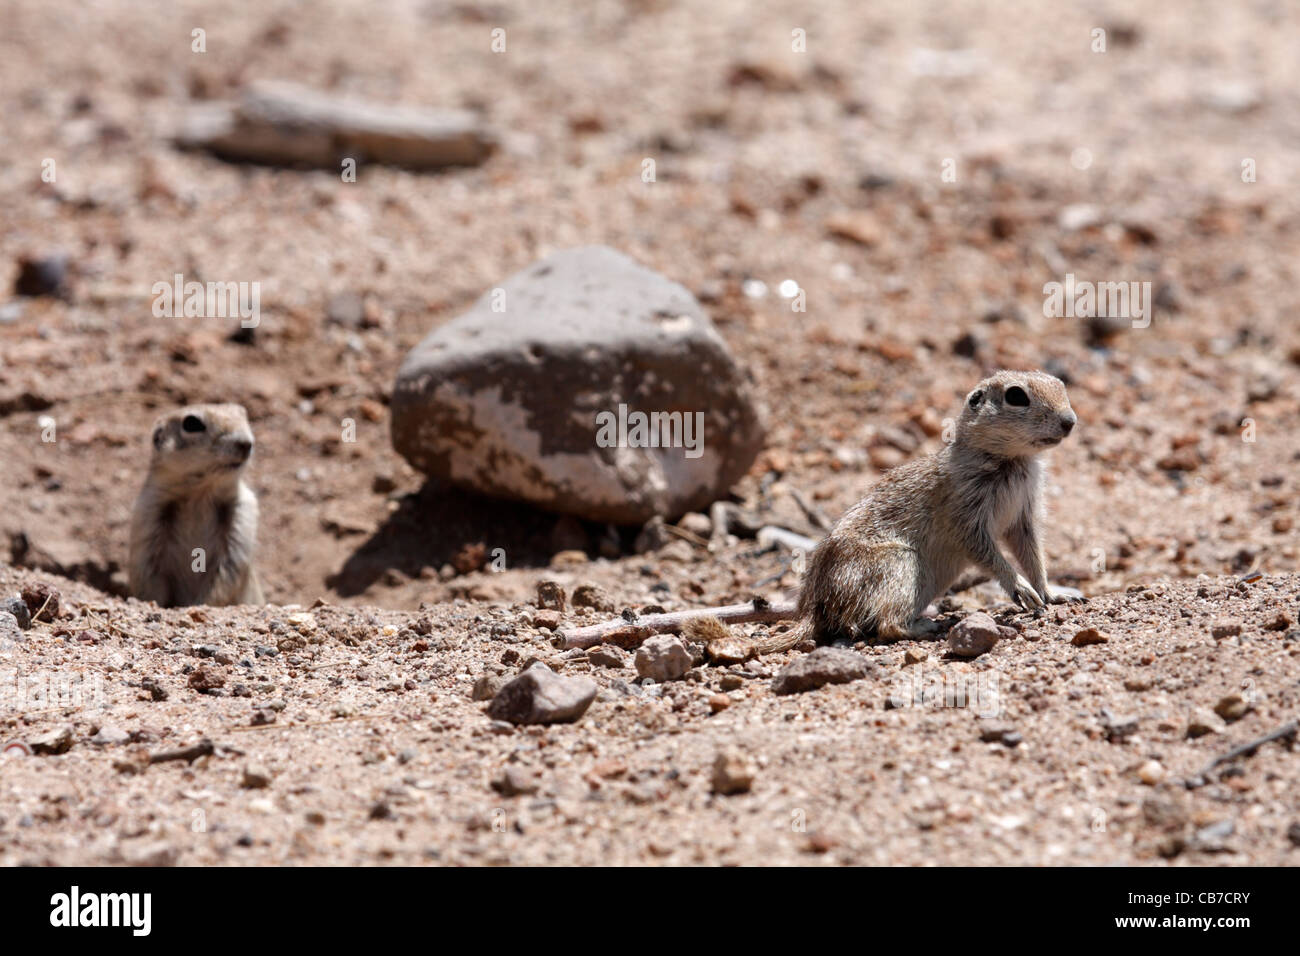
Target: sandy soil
point(1180, 479)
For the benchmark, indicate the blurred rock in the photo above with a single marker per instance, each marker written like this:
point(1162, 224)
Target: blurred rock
point(10, 632)
point(1151, 773)
point(696, 524)
point(773, 74)
point(108, 735)
point(856, 226)
point(593, 596)
point(282, 124)
point(652, 537)
point(826, 665)
point(18, 608)
point(550, 596)
point(1233, 707)
point(51, 742)
point(663, 657)
point(607, 655)
point(346, 309)
point(1118, 727)
point(1232, 97)
point(1078, 216)
point(1213, 837)
point(991, 729)
point(42, 602)
point(256, 777)
point(540, 696)
point(733, 773)
point(1263, 380)
point(487, 687)
point(42, 275)
point(975, 635)
point(1089, 635)
point(1203, 721)
point(516, 781)
point(507, 402)
point(967, 345)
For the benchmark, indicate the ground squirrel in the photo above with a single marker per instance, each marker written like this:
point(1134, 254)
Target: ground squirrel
point(194, 529)
point(926, 521)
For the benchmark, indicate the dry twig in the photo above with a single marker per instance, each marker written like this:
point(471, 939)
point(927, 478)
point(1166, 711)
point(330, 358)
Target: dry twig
point(630, 630)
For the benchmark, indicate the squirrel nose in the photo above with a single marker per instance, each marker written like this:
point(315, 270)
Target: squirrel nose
point(1067, 423)
point(243, 447)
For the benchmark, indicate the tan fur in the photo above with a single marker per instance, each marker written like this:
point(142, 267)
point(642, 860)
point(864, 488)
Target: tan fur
point(721, 644)
point(195, 498)
point(705, 630)
point(926, 521)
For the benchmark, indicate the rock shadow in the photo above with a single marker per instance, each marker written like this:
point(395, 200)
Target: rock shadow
point(433, 526)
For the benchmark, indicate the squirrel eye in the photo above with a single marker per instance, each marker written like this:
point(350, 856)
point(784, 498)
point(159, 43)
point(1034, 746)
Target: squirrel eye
point(192, 423)
point(1016, 396)
point(976, 397)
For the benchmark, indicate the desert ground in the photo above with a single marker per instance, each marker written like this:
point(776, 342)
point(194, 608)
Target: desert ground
point(919, 171)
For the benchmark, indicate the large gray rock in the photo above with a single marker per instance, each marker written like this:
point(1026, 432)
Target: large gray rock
point(512, 403)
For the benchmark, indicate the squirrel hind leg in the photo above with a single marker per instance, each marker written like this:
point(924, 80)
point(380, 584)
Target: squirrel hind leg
point(879, 596)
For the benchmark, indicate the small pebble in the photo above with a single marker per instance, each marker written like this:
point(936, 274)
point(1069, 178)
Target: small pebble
point(18, 608)
point(663, 657)
point(976, 634)
point(733, 773)
point(1151, 773)
point(608, 655)
point(1089, 635)
point(1203, 721)
point(256, 777)
point(1232, 707)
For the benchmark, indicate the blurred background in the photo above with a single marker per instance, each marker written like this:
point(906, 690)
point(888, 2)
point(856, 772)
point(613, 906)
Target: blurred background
point(919, 170)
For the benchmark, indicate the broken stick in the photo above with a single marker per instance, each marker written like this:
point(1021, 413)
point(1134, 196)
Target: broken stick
point(204, 748)
point(631, 629)
point(813, 513)
point(1285, 732)
point(770, 536)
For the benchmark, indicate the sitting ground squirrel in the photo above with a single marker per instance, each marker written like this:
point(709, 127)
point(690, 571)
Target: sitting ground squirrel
point(194, 529)
point(926, 521)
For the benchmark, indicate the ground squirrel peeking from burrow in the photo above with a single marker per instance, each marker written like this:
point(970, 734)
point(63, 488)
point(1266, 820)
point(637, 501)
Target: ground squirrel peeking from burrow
point(194, 528)
point(926, 521)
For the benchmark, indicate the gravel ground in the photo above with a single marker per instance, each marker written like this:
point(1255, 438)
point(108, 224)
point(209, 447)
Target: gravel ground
point(1045, 750)
point(825, 168)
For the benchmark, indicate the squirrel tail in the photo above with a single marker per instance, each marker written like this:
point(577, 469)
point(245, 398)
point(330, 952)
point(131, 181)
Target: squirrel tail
point(722, 645)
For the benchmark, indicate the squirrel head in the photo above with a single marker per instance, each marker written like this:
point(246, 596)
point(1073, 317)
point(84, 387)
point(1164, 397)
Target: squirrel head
point(1016, 414)
point(200, 446)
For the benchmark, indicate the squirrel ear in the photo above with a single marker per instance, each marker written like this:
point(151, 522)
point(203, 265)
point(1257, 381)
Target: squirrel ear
point(158, 436)
point(975, 398)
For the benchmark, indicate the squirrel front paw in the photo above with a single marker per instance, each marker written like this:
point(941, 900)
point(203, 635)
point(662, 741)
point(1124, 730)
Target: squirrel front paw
point(1060, 594)
point(1023, 593)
